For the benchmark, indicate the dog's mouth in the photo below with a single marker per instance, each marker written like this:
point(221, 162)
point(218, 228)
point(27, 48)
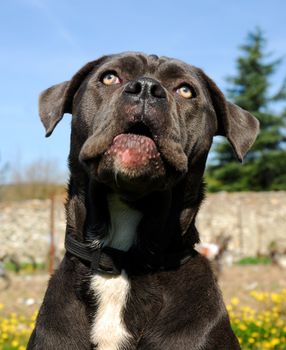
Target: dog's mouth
point(140, 129)
point(132, 163)
point(135, 150)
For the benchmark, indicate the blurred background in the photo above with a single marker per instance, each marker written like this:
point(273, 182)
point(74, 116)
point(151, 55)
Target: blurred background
point(241, 45)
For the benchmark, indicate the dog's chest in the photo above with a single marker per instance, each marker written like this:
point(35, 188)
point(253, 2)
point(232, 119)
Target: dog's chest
point(108, 331)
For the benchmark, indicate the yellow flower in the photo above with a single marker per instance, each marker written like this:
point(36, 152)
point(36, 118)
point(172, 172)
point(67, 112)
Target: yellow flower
point(242, 327)
point(275, 341)
point(276, 298)
point(4, 336)
point(34, 316)
point(234, 301)
point(15, 343)
point(251, 340)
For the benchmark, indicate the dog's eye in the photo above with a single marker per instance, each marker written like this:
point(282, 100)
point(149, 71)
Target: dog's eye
point(185, 91)
point(110, 78)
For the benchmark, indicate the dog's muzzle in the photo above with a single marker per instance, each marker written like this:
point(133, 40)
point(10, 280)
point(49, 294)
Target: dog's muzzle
point(131, 152)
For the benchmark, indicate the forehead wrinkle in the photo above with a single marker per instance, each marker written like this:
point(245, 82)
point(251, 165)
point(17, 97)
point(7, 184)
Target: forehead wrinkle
point(153, 64)
point(137, 64)
point(143, 59)
point(172, 70)
point(129, 64)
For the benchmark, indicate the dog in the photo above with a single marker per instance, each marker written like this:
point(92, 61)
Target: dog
point(141, 130)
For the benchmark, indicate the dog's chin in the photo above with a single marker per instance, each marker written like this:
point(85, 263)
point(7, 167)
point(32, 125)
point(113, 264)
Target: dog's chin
point(132, 165)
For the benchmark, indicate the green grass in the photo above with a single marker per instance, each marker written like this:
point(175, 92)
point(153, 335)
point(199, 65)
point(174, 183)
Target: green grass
point(25, 266)
point(253, 260)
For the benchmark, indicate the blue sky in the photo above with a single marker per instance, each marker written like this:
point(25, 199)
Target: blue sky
point(44, 42)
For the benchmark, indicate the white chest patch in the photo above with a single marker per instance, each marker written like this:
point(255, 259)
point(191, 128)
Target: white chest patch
point(108, 331)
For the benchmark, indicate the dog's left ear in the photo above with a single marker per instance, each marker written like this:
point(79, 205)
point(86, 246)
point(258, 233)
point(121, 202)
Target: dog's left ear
point(58, 99)
point(239, 126)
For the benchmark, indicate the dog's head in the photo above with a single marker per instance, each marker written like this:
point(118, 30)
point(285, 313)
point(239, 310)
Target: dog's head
point(142, 126)
point(143, 122)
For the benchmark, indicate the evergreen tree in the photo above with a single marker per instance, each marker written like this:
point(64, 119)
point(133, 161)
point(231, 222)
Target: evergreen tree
point(264, 167)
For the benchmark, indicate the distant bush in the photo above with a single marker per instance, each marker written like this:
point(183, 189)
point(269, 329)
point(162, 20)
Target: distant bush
point(37, 180)
point(29, 190)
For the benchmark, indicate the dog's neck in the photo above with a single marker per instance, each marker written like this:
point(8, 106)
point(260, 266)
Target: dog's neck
point(123, 225)
point(153, 224)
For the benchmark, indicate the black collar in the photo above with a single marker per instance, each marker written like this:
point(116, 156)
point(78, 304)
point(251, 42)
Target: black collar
point(105, 260)
point(112, 261)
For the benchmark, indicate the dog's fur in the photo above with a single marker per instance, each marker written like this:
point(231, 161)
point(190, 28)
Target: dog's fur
point(147, 204)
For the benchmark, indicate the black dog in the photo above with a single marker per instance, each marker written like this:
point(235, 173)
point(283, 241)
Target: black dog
point(142, 127)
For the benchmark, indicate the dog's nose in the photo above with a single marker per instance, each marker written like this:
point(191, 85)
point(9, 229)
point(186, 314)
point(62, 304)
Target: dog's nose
point(145, 88)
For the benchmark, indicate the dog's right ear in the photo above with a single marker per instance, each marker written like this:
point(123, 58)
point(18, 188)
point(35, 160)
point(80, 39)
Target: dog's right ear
point(57, 100)
point(239, 126)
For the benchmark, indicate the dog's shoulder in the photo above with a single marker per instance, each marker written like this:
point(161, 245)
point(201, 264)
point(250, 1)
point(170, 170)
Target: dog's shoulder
point(192, 282)
point(62, 317)
point(178, 305)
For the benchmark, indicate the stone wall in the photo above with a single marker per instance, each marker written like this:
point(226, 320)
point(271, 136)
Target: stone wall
point(25, 228)
point(253, 220)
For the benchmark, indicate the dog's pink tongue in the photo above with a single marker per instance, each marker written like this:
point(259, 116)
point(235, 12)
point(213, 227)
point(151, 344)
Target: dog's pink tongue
point(133, 150)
